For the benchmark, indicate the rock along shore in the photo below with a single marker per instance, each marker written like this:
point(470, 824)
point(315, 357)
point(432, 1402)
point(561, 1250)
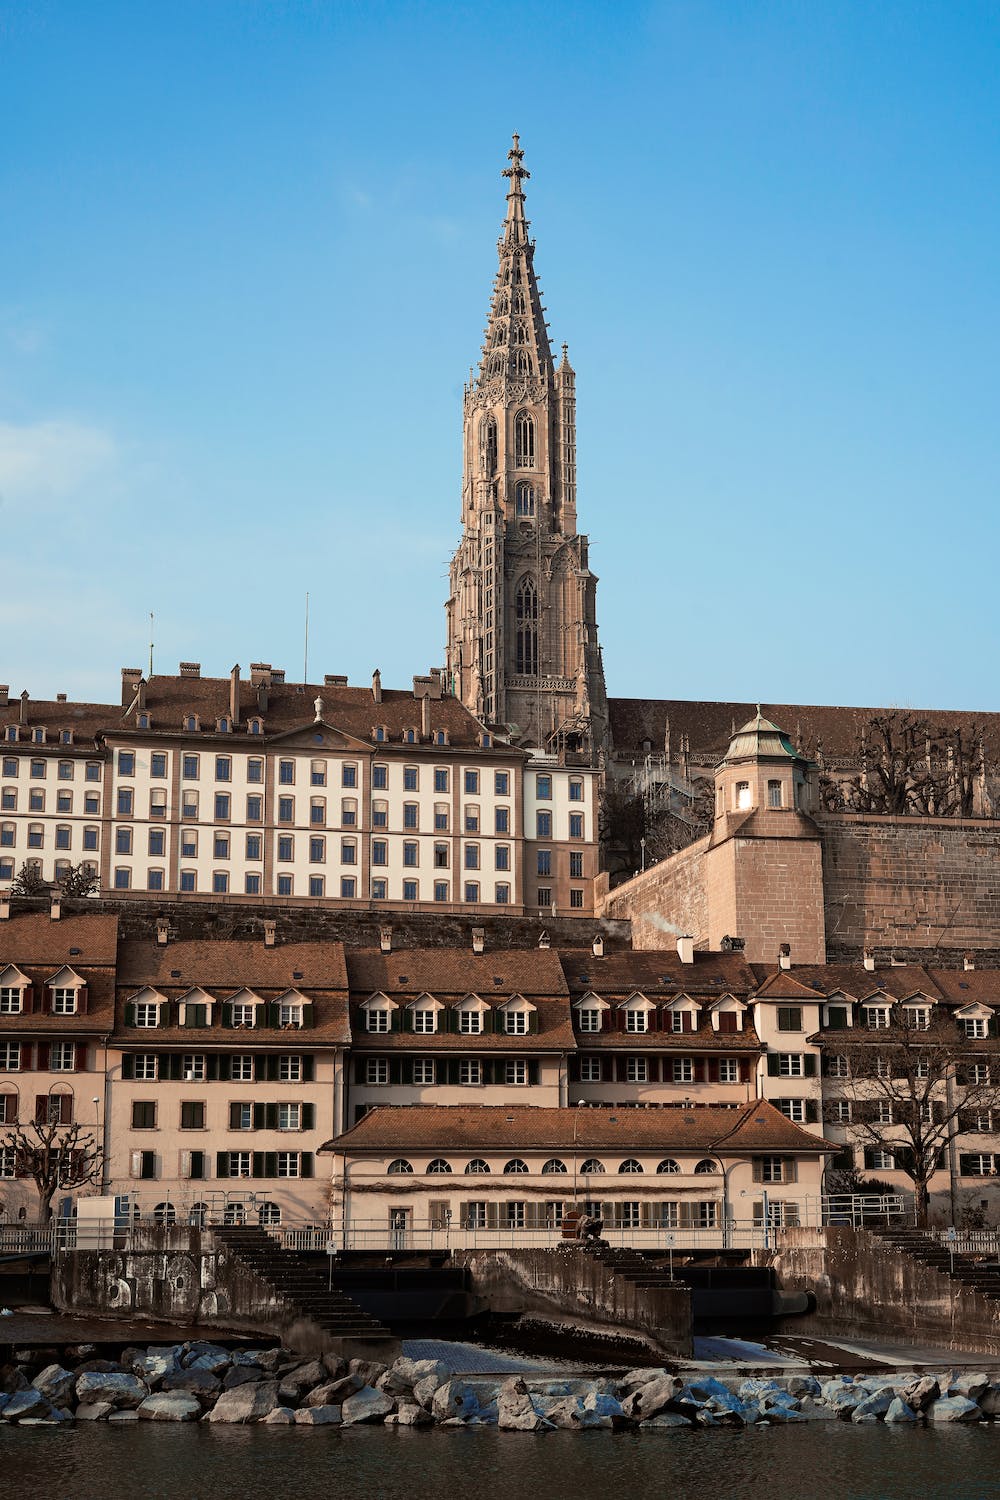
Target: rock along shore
point(199, 1381)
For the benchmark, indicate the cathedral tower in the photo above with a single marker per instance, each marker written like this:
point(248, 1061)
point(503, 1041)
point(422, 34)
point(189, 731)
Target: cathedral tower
point(522, 626)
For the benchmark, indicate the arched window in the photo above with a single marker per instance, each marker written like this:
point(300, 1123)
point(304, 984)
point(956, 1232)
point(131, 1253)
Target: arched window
point(164, 1213)
point(399, 1168)
point(524, 499)
point(234, 1213)
point(515, 1168)
point(488, 446)
point(439, 1167)
point(496, 364)
point(198, 1215)
point(499, 334)
point(706, 1166)
point(592, 1167)
point(519, 336)
point(502, 305)
point(268, 1213)
point(524, 441)
point(477, 1167)
point(552, 1166)
point(522, 362)
point(631, 1165)
point(519, 301)
point(669, 1166)
point(526, 607)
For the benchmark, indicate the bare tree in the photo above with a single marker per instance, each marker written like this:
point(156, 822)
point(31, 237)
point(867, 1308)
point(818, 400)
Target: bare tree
point(911, 1088)
point(79, 880)
point(28, 882)
point(912, 768)
point(54, 1156)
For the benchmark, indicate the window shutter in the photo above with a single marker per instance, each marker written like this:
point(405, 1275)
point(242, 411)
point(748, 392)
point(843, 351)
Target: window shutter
point(175, 1066)
point(269, 1014)
point(492, 1215)
point(308, 1068)
point(82, 1000)
point(533, 1022)
point(306, 1164)
point(199, 1165)
point(394, 1020)
point(809, 1065)
point(186, 1164)
point(270, 1164)
point(452, 1070)
point(744, 1070)
point(234, 1117)
point(307, 1014)
point(257, 1164)
point(259, 1068)
point(258, 1116)
point(135, 1163)
point(812, 1113)
point(359, 1070)
point(395, 1070)
point(81, 1057)
point(699, 1070)
point(308, 1117)
point(758, 1169)
point(212, 1066)
point(149, 1164)
point(620, 1021)
point(487, 1020)
point(222, 1164)
point(533, 1072)
point(463, 1215)
point(837, 1018)
point(225, 1066)
point(406, 1070)
point(47, 999)
point(227, 1014)
point(772, 1065)
point(41, 1108)
point(713, 1070)
point(66, 1110)
point(130, 1015)
point(790, 1170)
point(270, 1117)
point(758, 1210)
point(42, 1057)
point(406, 1018)
point(573, 1068)
point(272, 1067)
point(128, 1065)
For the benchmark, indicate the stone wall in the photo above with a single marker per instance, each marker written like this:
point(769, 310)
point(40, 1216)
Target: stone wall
point(863, 1287)
point(569, 1286)
point(912, 885)
point(666, 900)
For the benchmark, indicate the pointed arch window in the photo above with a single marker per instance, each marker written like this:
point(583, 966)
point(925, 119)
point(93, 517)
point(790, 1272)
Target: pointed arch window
point(522, 362)
point(499, 334)
point(519, 335)
point(526, 608)
point(488, 446)
point(524, 500)
point(518, 304)
point(524, 440)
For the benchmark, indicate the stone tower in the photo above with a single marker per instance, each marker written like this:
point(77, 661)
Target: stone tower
point(522, 625)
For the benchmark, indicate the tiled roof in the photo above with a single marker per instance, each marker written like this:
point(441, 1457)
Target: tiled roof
point(710, 726)
point(555, 1032)
point(703, 1041)
point(225, 964)
point(963, 986)
point(445, 972)
point(289, 706)
point(34, 939)
point(329, 1029)
point(899, 981)
point(756, 1126)
point(657, 973)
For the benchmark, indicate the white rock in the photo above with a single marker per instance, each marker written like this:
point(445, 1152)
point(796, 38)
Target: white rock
point(246, 1403)
point(318, 1416)
point(366, 1405)
point(171, 1406)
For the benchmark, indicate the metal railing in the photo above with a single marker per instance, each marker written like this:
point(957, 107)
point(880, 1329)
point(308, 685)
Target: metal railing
point(968, 1241)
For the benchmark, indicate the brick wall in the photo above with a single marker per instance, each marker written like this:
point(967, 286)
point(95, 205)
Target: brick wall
point(669, 899)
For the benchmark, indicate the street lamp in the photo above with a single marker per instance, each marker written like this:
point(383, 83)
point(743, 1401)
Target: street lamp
point(576, 1116)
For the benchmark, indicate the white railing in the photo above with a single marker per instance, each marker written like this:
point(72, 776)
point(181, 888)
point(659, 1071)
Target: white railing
point(969, 1241)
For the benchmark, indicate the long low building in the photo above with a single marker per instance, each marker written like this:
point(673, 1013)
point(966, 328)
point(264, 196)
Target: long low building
point(214, 1070)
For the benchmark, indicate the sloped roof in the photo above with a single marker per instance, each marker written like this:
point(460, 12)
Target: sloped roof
point(658, 973)
point(34, 940)
point(455, 971)
point(756, 1126)
point(225, 965)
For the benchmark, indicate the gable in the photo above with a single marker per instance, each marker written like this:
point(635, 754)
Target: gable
point(322, 736)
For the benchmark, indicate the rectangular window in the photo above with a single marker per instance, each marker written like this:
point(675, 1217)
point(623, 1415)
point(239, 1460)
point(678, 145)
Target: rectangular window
point(286, 809)
point(348, 812)
point(441, 858)
point(544, 896)
point(193, 1067)
point(543, 825)
point(576, 825)
point(790, 1065)
point(470, 1022)
point(590, 1018)
point(501, 857)
point(189, 804)
point(123, 841)
point(502, 820)
point(501, 783)
point(471, 892)
point(143, 1114)
point(317, 885)
point(515, 1072)
point(317, 811)
point(440, 890)
point(379, 1020)
point(62, 1057)
point(189, 767)
point(10, 1057)
point(380, 890)
point(348, 852)
point(36, 801)
point(410, 779)
point(410, 854)
point(380, 852)
point(122, 879)
point(348, 887)
point(590, 1069)
point(411, 814)
point(789, 1018)
point(189, 881)
point(575, 899)
point(158, 765)
point(255, 808)
point(975, 1027)
point(286, 772)
point(636, 1070)
point(317, 850)
point(576, 864)
point(349, 775)
point(64, 802)
point(472, 819)
point(192, 1115)
point(126, 763)
point(472, 856)
point(793, 1109)
point(440, 779)
point(222, 804)
point(471, 783)
point(254, 846)
point(255, 770)
point(251, 885)
point(241, 1067)
point(682, 1070)
point(470, 1071)
point(126, 799)
point(543, 788)
point(376, 1071)
point(544, 861)
point(144, 1066)
point(576, 791)
point(774, 794)
point(239, 1163)
point(223, 768)
point(220, 882)
point(380, 778)
point(729, 1070)
point(285, 885)
point(636, 1020)
point(317, 773)
point(220, 846)
point(409, 890)
point(423, 1071)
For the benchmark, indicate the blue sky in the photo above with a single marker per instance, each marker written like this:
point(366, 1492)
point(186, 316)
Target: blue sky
point(245, 263)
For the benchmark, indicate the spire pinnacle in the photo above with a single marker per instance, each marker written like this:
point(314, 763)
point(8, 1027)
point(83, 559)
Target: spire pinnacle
point(517, 172)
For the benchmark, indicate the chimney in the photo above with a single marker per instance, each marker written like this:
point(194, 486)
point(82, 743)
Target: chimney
point(278, 676)
point(269, 931)
point(260, 672)
point(425, 718)
point(262, 697)
point(162, 932)
point(234, 695)
point(377, 685)
point(869, 960)
point(4, 694)
point(785, 956)
point(685, 949)
point(479, 939)
point(544, 941)
point(598, 946)
point(60, 697)
point(190, 669)
point(55, 908)
point(23, 710)
point(5, 907)
point(335, 679)
point(969, 962)
point(131, 678)
point(385, 939)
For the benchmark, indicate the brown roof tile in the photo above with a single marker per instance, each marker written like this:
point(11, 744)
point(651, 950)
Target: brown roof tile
point(657, 973)
point(453, 972)
point(225, 965)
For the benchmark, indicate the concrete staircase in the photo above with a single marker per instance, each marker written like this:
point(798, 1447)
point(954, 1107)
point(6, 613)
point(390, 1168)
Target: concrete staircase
point(632, 1266)
point(979, 1277)
point(304, 1288)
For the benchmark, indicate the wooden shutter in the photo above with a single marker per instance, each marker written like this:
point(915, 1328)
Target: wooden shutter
point(306, 1164)
point(308, 1117)
point(713, 1069)
point(81, 1057)
point(257, 1115)
point(533, 1021)
point(758, 1169)
point(129, 1014)
point(744, 1070)
point(212, 1067)
point(395, 1070)
point(41, 1108)
point(487, 1020)
point(148, 1164)
point(234, 1117)
point(128, 1065)
point(270, 1117)
point(773, 1065)
point(257, 1164)
point(533, 1072)
point(226, 1018)
point(809, 1065)
point(42, 1057)
point(812, 1112)
point(790, 1170)
point(222, 1164)
point(308, 1069)
point(270, 1164)
point(82, 1000)
point(573, 1068)
point(271, 1071)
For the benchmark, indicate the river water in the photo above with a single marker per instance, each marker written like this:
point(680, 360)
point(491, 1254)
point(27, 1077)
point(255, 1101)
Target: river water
point(821, 1461)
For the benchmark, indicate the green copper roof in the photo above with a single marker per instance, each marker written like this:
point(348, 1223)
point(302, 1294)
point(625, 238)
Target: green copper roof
point(760, 739)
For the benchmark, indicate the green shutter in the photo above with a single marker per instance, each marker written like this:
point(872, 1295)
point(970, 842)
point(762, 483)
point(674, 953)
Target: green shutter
point(270, 1117)
point(487, 1021)
point(308, 1069)
point(406, 1019)
point(308, 1117)
point(306, 1164)
point(533, 1074)
point(812, 1114)
point(222, 1164)
point(307, 1014)
point(772, 1065)
point(128, 1065)
point(270, 1164)
point(809, 1065)
point(394, 1020)
point(130, 1015)
point(273, 1013)
point(837, 1018)
point(212, 1066)
point(227, 1014)
point(258, 1164)
point(258, 1116)
point(533, 1022)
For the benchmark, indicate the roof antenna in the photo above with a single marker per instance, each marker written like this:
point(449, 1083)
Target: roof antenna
point(305, 659)
point(150, 643)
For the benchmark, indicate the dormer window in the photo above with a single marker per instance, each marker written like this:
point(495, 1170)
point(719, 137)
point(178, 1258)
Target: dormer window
point(409, 736)
point(917, 1017)
point(876, 1017)
point(440, 736)
point(66, 736)
point(774, 794)
point(378, 734)
point(223, 726)
point(470, 1022)
point(290, 1013)
point(515, 1022)
point(12, 734)
point(254, 726)
point(190, 723)
point(590, 1019)
point(147, 1013)
point(975, 1027)
point(379, 1020)
point(425, 1021)
point(38, 736)
point(244, 1014)
point(636, 1020)
point(64, 1001)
